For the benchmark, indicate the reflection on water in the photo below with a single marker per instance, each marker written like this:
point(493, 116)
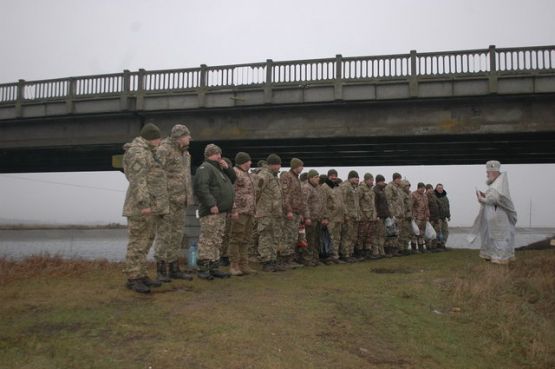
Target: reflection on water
point(111, 243)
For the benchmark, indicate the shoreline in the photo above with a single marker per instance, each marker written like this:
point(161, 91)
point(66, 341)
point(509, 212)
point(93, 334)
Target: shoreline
point(34, 227)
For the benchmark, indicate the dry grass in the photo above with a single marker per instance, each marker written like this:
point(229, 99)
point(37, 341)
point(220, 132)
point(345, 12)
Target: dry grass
point(516, 303)
point(395, 313)
point(48, 265)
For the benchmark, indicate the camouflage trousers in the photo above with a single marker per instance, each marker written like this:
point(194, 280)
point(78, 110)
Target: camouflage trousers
point(334, 228)
point(366, 230)
point(239, 239)
point(212, 228)
point(444, 230)
point(290, 235)
point(436, 224)
point(269, 237)
point(405, 233)
point(312, 251)
point(349, 232)
point(141, 231)
point(253, 242)
point(378, 238)
point(224, 250)
point(422, 228)
point(168, 245)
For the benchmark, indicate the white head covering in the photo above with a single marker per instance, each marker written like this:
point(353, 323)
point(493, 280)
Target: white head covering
point(493, 166)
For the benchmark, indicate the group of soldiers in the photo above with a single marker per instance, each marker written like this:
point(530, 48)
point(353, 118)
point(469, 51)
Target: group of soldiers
point(285, 220)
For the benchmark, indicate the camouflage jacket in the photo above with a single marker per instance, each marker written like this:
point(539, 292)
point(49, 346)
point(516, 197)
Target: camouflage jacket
point(293, 199)
point(407, 204)
point(334, 207)
point(176, 162)
point(269, 200)
point(148, 186)
point(433, 205)
point(394, 196)
point(350, 198)
point(314, 201)
point(245, 194)
point(367, 203)
point(420, 209)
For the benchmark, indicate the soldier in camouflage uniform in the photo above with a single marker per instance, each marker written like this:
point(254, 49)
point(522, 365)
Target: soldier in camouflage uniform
point(444, 215)
point(420, 213)
point(253, 248)
point(176, 162)
point(368, 217)
point(242, 216)
point(269, 213)
point(295, 212)
point(405, 231)
point(224, 251)
point(313, 195)
point(349, 230)
point(334, 214)
point(213, 188)
point(382, 211)
point(433, 205)
point(146, 201)
point(394, 195)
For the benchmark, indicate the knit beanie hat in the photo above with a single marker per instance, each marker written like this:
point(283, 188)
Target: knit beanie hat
point(150, 132)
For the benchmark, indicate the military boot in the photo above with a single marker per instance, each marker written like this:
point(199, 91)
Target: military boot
point(162, 272)
point(151, 282)
point(137, 285)
point(291, 260)
point(414, 248)
point(176, 273)
point(234, 269)
point(216, 273)
point(203, 271)
point(268, 266)
point(278, 267)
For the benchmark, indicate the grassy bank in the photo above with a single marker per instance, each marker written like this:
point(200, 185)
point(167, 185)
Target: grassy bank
point(447, 310)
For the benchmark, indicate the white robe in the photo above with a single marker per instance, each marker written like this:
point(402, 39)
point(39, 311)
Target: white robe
point(495, 223)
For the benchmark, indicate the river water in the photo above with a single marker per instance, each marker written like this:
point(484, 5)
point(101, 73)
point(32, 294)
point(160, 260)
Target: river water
point(111, 243)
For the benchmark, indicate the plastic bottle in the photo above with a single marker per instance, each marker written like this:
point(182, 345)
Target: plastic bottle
point(192, 255)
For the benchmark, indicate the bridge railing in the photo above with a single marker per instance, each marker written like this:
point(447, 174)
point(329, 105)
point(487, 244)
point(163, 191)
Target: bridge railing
point(492, 62)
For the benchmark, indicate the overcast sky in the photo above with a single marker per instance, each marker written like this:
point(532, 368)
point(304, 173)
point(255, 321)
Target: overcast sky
point(48, 39)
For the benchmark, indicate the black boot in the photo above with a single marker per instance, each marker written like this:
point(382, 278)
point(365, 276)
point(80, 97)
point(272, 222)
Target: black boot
point(278, 267)
point(162, 272)
point(268, 266)
point(137, 285)
point(203, 271)
point(151, 282)
point(216, 273)
point(175, 273)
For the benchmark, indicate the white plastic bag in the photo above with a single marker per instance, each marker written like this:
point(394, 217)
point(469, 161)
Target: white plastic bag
point(430, 233)
point(415, 229)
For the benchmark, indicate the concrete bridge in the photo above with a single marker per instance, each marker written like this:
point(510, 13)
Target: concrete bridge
point(455, 107)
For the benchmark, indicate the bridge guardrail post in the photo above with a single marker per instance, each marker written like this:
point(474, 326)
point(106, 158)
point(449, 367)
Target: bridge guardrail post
point(140, 103)
point(70, 96)
point(338, 82)
point(492, 70)
point(268, 82)
point(20, 98)
point(413, 79)
point(126, 88)
point(202, 86)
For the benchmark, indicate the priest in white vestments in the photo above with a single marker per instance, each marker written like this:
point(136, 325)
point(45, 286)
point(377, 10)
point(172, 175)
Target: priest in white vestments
point(495, 223)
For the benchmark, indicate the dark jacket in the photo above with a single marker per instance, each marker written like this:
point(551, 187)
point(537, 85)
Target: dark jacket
point(213, 187)
point(444, 208)
point(382, 207)
point(433, 204)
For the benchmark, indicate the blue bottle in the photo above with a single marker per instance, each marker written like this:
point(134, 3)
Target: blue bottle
point(192, 255)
